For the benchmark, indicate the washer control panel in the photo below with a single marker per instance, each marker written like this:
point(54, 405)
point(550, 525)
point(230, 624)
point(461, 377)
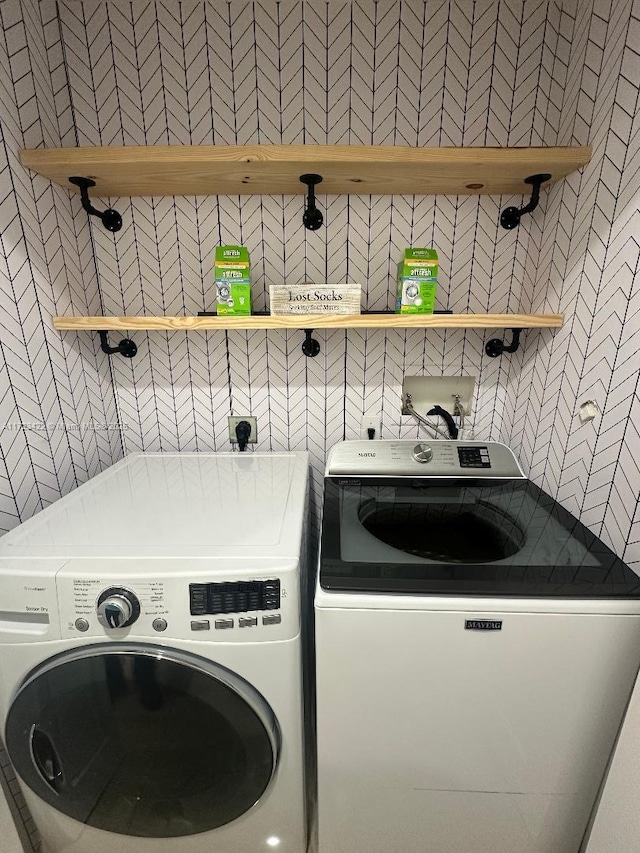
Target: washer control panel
point(474, 457)
point(433, 458)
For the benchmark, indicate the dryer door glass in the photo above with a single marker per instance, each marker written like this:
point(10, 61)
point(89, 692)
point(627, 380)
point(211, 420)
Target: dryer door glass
point(140, 741)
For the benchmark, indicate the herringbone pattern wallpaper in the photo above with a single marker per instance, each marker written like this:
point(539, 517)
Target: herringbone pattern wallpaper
point(388, 72)
point(403, 73)
point(447, 72)
point(55, 394)
point(589, 268)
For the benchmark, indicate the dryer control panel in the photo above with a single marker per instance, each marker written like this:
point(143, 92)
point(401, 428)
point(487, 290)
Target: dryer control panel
point(239, 597)
point(200, 604)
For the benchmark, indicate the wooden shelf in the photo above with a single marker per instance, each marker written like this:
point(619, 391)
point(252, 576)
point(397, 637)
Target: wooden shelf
point(313, 321)
point(276, 169)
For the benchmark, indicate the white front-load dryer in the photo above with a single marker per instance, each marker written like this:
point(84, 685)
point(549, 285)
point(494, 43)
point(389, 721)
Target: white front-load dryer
point(151, 691)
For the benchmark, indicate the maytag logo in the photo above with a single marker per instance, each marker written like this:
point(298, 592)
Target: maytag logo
point(372, 455)
point(483, 625)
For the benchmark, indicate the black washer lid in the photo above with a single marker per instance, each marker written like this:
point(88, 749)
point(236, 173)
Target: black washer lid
point(462, 537)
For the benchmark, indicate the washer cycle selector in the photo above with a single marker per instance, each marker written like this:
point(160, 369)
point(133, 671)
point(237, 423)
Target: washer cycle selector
point(422, 453)
point(117, 607)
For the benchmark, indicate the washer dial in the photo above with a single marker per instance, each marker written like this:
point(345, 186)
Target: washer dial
point(422, 453)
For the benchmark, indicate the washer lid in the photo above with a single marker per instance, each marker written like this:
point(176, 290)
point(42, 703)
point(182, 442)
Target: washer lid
point(453, 537)
point(175, 505)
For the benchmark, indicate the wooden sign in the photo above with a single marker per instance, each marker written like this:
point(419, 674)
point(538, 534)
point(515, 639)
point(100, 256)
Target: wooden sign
point(315, 298)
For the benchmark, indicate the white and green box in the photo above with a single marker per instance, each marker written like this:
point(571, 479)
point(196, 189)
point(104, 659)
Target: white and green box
point(417, 281)
point(232, 274)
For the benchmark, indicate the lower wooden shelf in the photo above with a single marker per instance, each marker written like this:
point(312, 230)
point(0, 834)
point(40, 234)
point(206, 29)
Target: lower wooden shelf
point(313, 321)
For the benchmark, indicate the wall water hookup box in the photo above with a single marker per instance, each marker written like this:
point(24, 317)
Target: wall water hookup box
point(429, 391)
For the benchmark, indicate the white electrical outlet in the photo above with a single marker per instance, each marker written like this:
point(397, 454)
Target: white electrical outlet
point(368, 422)
point(234, 420)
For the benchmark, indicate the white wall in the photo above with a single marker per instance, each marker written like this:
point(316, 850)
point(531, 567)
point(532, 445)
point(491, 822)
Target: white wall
point(49, 385)
point(590, 269)
point(616, 828)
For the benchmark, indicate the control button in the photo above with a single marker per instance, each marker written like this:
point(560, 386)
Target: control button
point(161, 624)
point(422, 453)
point(198, 598)
point(272, 619)
point(224, 623)
point(82, 625)
point(247, 621)
point(200, 625)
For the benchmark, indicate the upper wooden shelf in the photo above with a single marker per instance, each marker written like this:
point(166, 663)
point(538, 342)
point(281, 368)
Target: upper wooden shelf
point(276, 169)
point(313, 321)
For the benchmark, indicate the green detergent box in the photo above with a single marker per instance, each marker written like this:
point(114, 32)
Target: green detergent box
point(417, 281)
point(232, 274)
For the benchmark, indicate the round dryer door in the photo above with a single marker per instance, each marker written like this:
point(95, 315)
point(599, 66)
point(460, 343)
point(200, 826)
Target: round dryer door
point(142, 741)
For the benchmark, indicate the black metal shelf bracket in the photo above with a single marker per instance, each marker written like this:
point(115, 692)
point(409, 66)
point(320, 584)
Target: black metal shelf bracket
point(111, 219)
point(496, 347)
point(126, 347)
point(310, 346)
point(510, 216)
point(312, 218)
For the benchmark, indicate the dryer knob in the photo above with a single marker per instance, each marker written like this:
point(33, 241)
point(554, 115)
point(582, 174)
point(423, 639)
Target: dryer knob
point(117, 608)
point(422, 453)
